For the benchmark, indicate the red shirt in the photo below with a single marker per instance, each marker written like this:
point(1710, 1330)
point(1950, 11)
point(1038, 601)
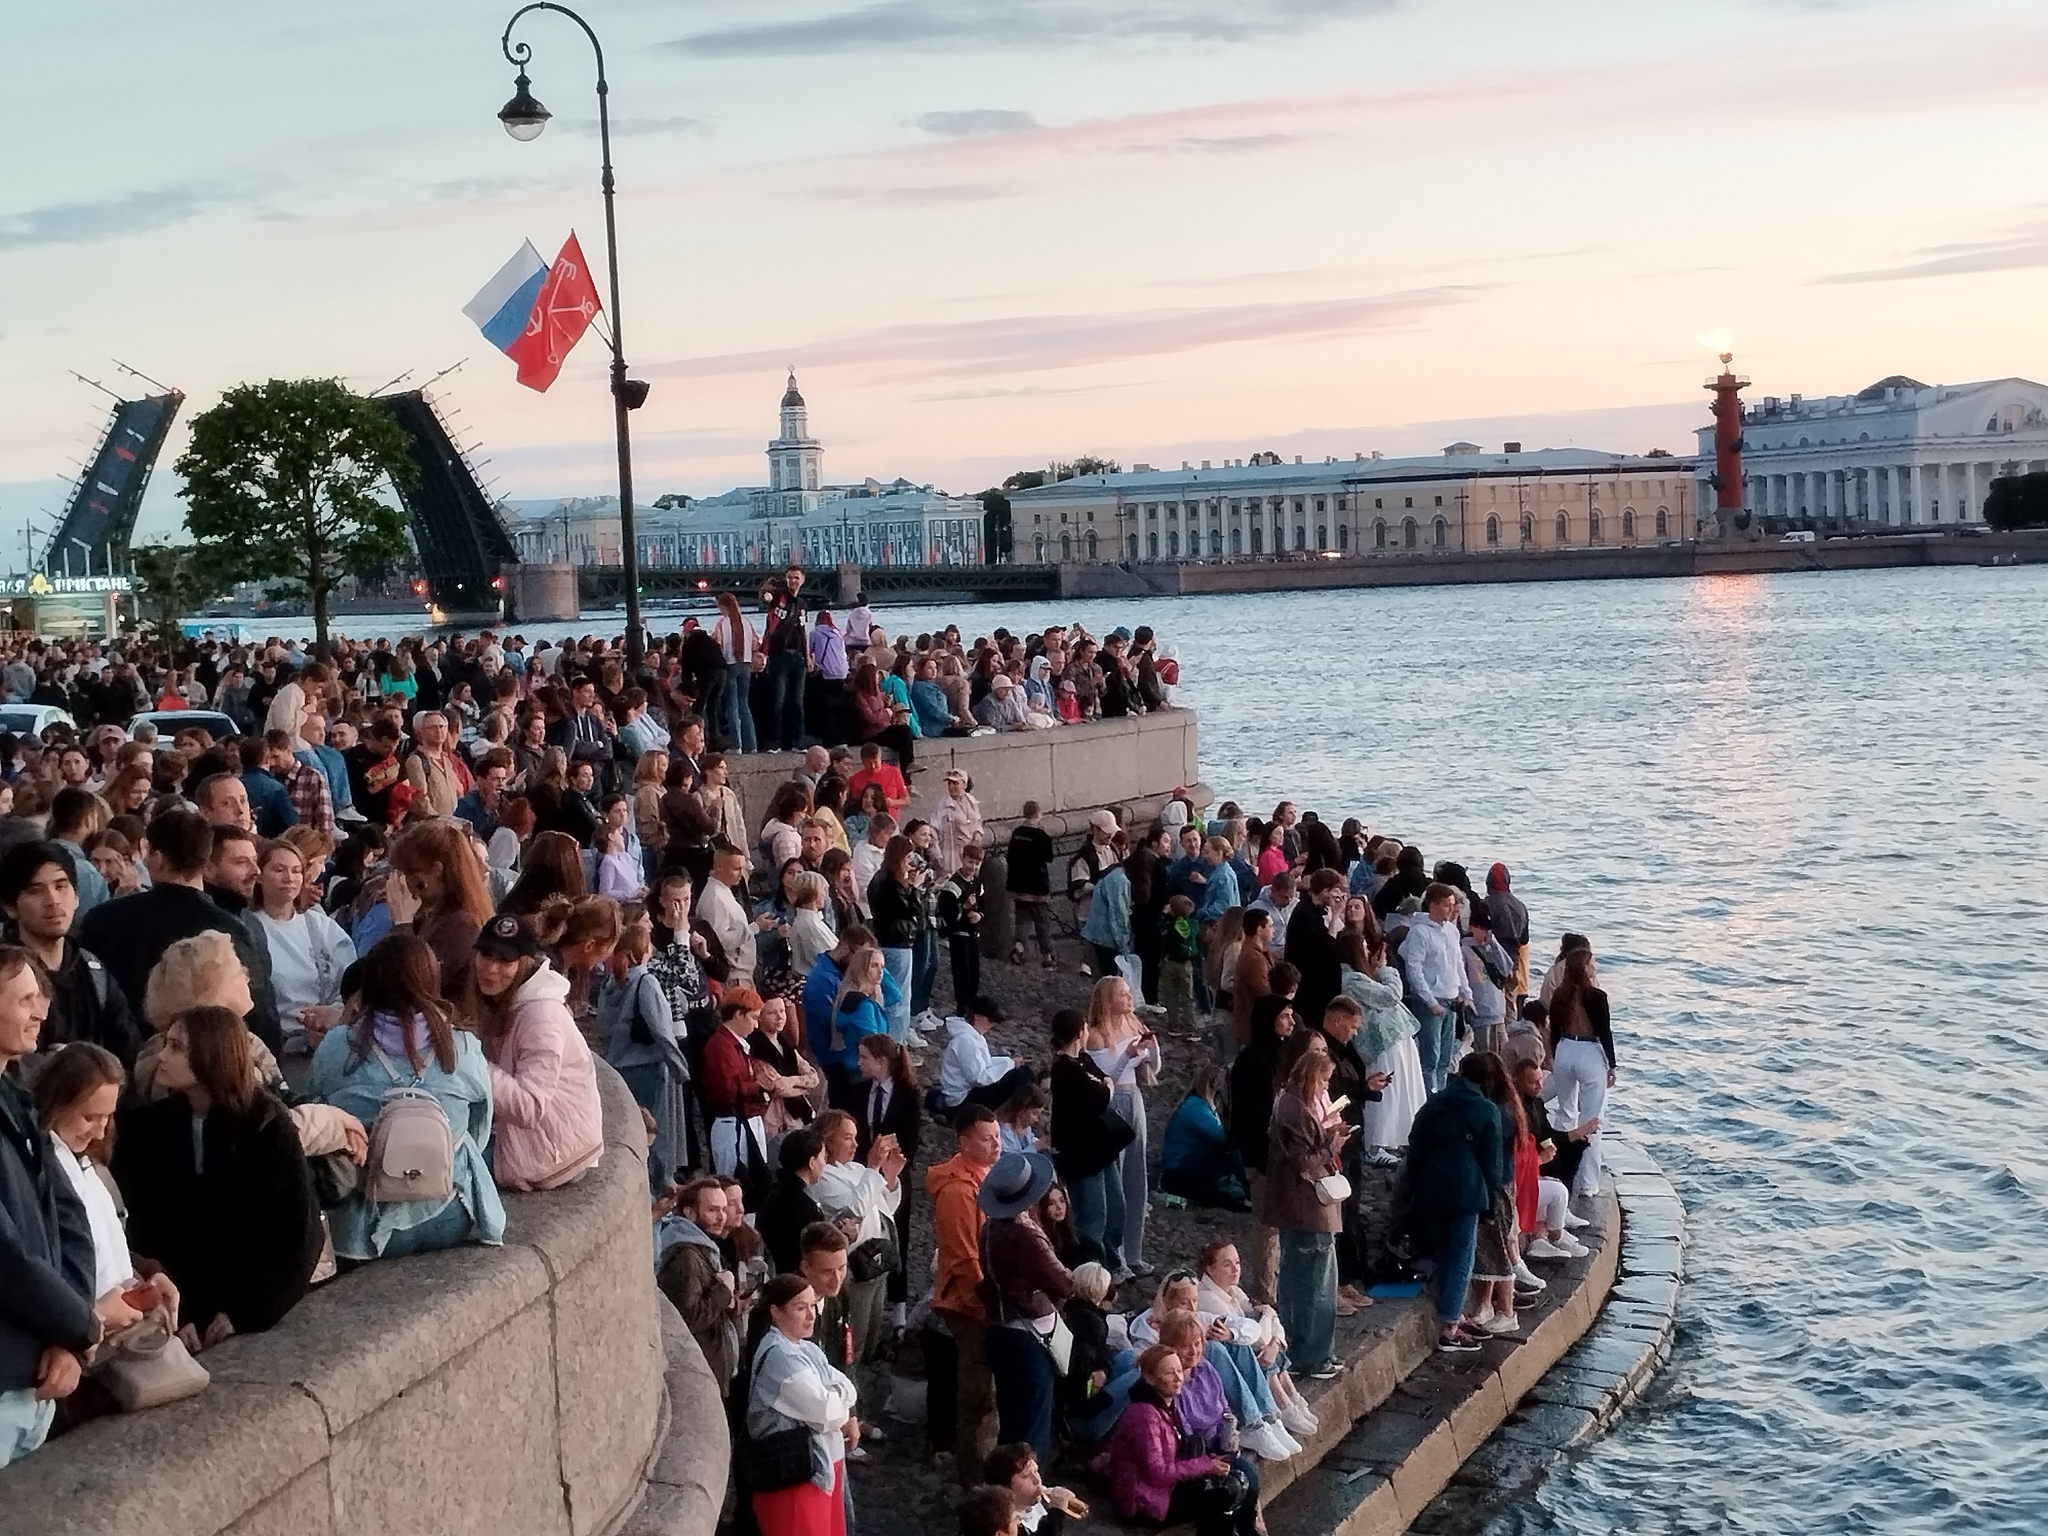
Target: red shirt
point(884, 774)
point(730, 1087)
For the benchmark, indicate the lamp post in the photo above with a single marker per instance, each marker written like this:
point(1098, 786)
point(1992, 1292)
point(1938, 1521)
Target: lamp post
point(524, 118)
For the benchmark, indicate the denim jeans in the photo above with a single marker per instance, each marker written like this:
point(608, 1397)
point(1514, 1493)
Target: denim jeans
point(24, 1423)
point(1436, 1042)
point(1098, 1202)
point(1245, 1388)
point(1456, 1244)
point(898, 962)
point(739, 713)
point(1307, 1300)
point(784, 727)
point(1022, 1367)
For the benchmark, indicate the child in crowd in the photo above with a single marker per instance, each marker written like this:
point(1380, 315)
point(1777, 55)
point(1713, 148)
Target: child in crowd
point(987, 1511)
point(1029, 883)
point(959, 914)
point(1041, 1510)
point(1180, 943)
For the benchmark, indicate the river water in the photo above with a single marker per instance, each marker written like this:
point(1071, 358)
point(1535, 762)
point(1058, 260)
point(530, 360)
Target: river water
point(1803, 819)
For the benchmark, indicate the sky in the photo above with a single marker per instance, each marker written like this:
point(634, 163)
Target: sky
point(990, 233)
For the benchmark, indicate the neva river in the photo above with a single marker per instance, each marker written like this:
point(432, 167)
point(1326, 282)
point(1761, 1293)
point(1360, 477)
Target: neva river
point(1803, 819)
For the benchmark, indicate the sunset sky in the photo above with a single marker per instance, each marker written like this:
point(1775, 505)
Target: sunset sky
point(991, 232)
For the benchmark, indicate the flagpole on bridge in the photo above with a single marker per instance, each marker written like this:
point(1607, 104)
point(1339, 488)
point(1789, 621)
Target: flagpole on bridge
point(524, 118)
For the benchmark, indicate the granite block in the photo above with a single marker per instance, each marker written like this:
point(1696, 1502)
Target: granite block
point(608, 1365)
point(305, 1507)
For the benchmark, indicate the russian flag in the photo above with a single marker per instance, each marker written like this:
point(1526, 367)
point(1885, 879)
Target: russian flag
point(503, 306)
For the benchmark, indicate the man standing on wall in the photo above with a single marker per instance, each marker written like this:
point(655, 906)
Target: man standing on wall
point(787, 648)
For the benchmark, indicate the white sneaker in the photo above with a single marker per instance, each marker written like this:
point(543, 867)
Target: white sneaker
point(1574, 1247)
point(926, 1022)
point(1482, 1320)
point(1526, 1278)
point(1297, 1419)
point(1497, 1324)
point(1544, 1248)
point(1573, 1221)
point(1268, 1441)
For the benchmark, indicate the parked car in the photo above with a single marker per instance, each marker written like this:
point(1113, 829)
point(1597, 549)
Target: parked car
point(169, 722)
point(33, 719)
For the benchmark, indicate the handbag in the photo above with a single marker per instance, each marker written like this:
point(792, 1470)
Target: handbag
point(1059, 1344)
point(874, 1258)
point(1332, 1189)
point(777, 1460)
point(146, 1366)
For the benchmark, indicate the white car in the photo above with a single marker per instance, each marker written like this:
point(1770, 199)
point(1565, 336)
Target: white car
point(31, 720)
point(169, 722)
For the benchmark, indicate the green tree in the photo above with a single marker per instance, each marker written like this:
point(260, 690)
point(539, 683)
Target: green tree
point(282, 484)
point(172, 582)
point(1025, 480)
point(2017, 501)
point(1089, 464)
point(995, 527)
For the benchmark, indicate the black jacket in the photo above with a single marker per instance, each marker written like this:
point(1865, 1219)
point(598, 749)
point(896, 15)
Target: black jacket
point(239, 1235)
point(131, 933)
point(1251, 1098)
point(46, 1255)
point(1565, 1166)
point(1312, 951)
point(1084, 1142)
point(897, 911)
point(1348, 1072)
point(87, 1004)
point(1030, 862)
point(902, 1119)
point(788, 1209)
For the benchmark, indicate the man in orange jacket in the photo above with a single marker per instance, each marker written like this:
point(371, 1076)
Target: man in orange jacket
point(956, 1224)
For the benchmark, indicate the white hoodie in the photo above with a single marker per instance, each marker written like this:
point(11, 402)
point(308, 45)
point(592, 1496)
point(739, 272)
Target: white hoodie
point(968, 1063)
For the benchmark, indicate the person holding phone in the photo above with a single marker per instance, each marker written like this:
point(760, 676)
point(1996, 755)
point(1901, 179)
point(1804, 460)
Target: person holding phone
point(1127, 1051)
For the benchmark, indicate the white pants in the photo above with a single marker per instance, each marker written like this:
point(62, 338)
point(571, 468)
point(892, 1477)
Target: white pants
point(1552, 1201)
point(725, 1142)
point(1578, 1087)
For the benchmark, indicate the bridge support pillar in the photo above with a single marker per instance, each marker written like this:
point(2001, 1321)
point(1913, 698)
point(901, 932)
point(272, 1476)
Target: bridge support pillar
point(542, 594)
point(848, 580)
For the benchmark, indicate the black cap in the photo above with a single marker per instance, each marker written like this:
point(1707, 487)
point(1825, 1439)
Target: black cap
point(507, 938)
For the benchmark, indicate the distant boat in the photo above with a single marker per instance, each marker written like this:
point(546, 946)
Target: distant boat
point(2012, 557)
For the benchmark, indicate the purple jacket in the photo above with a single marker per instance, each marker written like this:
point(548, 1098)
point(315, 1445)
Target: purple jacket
point(1202, 1410)
point(1142, 1466)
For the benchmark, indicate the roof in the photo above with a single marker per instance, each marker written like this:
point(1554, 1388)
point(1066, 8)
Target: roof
point(790, 396)
point(1896, 381)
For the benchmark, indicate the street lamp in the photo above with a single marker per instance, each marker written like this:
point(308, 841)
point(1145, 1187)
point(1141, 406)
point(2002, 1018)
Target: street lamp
point(524, 118)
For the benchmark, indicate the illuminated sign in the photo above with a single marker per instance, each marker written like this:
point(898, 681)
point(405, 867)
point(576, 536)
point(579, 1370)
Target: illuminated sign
point(39, 585)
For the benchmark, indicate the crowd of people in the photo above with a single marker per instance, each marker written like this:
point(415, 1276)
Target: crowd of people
point(285, 1003)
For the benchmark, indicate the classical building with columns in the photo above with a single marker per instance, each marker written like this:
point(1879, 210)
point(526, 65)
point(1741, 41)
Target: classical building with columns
point(1463, 500)
point(1900, 454)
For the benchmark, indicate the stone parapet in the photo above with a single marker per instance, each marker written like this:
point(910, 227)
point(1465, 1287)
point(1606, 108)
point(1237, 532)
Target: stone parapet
point(476, 1390)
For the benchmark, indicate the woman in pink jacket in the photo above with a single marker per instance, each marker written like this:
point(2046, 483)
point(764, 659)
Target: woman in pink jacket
point(548, 1127)
point(1159, 1472)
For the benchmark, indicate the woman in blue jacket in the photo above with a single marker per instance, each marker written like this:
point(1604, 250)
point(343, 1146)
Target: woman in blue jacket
point(403, 1036)
point(1197, 1160)
point(866, 994)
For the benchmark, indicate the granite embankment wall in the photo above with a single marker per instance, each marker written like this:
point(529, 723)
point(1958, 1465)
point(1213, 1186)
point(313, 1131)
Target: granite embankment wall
point(1457, 568)
point(530, 1388)
point(1069, 770)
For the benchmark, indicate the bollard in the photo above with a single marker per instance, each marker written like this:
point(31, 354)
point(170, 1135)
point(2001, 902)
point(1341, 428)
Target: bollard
point(998, 912)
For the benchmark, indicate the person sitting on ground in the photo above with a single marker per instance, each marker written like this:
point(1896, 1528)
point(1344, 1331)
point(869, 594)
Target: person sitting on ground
point(1558, 1155)
point(1151, 1477)
point(1245, 1389)
point(1041, 1509)
point(1197, 1161)
point(218, 1191)
point(1201, 1406)
point(1248, 1333)
point(549, 1123)
point(693, 1274)
point(402, 1035)
point(969, 1072)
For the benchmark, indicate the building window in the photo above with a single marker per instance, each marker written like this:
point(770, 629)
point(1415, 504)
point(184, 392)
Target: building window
point(1408, 532)
point(1628, 525)
point(1298, 508)
point(1564, 529)
point(1063, 517)
point(1037, 519)
point(1407, 501)
point(1379, 533)
point(1344, 537)
point(1236, 507)
point(1236, 541)
point(1300, 536)
point(1152, 546)
point(1442, 533)
point(1152, 513)
point(1378, 503)
point(1528, 529)
point(1091, 514)
point(1066, 547)
point(1172, 545)
point(1439, 501)
point(1493, 531)
point(1091, 544)
point(1592, 527)
point(1258, 539)
point(1322, 535)
point(1319, 503)
point(1663, 522)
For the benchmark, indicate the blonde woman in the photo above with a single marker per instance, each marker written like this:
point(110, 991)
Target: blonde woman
point(308, 949)
point(866, 993)
point(1120, 1044)
point(204, 971)
point(648, 774)
point(810, 931)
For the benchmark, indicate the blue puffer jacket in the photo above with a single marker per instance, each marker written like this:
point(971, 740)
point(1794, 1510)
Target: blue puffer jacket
point(46, 1257)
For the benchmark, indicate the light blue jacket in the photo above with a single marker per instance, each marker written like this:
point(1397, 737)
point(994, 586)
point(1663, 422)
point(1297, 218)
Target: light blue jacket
point(363, 1229)
point(860, 1016)
point(1218, 896)
point(1109, 913)
point(639, 995)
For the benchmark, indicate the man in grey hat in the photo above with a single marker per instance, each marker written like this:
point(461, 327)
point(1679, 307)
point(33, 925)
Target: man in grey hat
point(1022, 1288)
